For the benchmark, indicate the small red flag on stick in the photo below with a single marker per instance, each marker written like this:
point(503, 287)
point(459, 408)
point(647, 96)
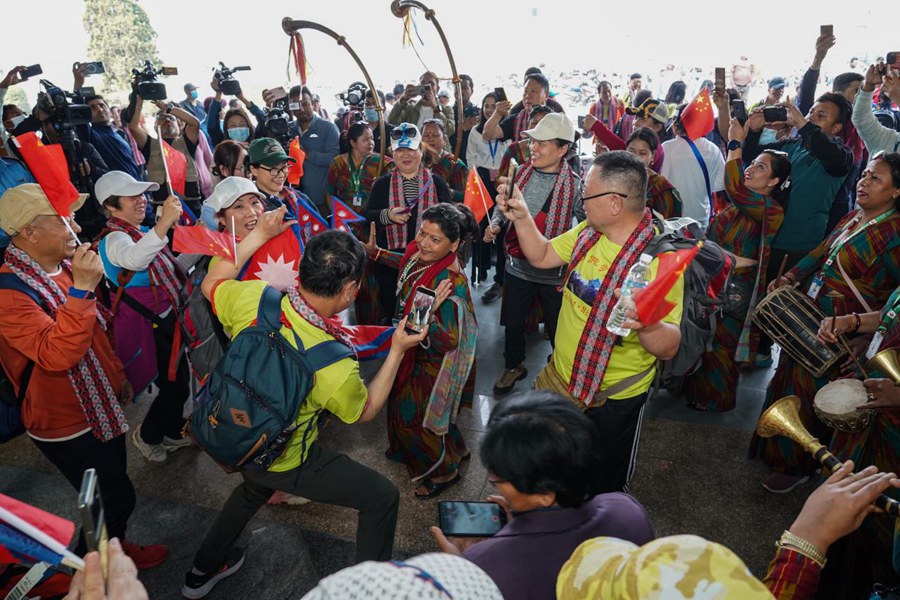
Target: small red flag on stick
point(650, 302)
point(477, 197)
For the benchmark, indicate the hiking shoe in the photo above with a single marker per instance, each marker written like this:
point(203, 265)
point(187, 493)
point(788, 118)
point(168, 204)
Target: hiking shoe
point(146, 557)
point(198, 586)
point(494, 292)
point(779, 483)
point(154, 453)
point(173, 444)
point(508, 379)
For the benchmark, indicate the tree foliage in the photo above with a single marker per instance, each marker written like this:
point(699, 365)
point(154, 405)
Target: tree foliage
point(16, 95)
point(122, 37)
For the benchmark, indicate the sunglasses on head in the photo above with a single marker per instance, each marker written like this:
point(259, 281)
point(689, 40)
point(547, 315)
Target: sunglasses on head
point(399, 132)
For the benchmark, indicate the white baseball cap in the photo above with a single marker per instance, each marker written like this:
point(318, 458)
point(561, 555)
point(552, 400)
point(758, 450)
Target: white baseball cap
point(229, 190)
point(554, 126)
point(120, 183)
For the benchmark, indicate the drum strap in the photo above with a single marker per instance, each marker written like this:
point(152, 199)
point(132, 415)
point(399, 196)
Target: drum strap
point(855, 291)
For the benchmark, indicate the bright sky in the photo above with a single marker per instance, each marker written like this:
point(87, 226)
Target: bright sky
point(488, 38)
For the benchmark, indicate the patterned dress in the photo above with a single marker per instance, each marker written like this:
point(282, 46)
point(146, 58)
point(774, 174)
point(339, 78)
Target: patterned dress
point(409, 442)
point(745, 228)
point(662, 196)
point(455, 174)
point(872, 261)
point(340, 183)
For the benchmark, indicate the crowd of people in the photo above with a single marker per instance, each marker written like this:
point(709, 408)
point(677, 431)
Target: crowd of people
point(799, 194)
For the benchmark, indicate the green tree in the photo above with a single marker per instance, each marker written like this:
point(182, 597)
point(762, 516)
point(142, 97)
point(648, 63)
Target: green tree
point(16, 95)
point(121, 36)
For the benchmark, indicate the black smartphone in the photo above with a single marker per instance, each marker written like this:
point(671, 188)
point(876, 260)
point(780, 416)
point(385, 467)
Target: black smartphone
point(826, 30)
point(774, 114)
point(470, 519)
point(739, 111)
point(500, 94)
point(424, 89)
point(511, 171)
point(720, 79)
point(421, 311)
point(94, 68)
point(581, 122)
point(31, 71)
point(891, 60)
point(93, 518)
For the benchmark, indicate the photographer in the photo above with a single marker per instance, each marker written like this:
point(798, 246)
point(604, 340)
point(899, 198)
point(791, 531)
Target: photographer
point(10, 111)
point(426, 108)
point(238, 126)
point(320, 140)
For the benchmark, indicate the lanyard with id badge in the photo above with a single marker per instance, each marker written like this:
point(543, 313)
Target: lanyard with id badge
point(888, 319)
point(815, 287)
point(355, 179)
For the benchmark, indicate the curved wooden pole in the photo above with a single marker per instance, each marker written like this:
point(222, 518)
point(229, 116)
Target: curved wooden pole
point(290, 26)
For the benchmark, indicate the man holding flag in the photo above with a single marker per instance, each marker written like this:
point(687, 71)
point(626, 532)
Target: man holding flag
point(607, 376)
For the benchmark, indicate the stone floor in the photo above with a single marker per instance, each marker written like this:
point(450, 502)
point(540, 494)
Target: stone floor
point(692, 475)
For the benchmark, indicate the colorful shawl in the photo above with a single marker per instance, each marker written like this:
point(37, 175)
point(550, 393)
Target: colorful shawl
point(332, 326)
point(553, 220)
point(520, 124)
point(396, 232)
point(90, 382)
point(163, 270)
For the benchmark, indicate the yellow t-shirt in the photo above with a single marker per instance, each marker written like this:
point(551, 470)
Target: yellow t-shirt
point(626, 360)
point(338, 388)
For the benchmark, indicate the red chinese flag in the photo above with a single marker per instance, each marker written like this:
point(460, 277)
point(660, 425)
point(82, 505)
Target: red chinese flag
point(297, 153)
point(697, 117)
point(202, 240)
point(176, 164)
point(277, 262)
point(56, 527)
point(477, 197)
point(50, 169)
point(651, 303)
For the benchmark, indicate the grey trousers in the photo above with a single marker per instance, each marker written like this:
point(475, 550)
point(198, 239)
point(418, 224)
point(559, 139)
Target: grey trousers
point(326, 477)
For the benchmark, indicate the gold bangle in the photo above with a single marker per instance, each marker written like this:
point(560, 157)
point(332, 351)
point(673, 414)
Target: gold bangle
point(801, 546)
point(377, 254)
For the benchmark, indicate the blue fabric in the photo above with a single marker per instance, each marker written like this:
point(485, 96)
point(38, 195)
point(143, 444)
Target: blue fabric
point(116, 152)
point(321, 143)
point(140, 278)
point(12, 173)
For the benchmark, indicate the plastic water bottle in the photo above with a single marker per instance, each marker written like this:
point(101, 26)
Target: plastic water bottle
point(636, 281)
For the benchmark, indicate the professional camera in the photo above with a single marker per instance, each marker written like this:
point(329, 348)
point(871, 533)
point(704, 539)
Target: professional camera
point(278, 124)
point(148, 86)
point(355, 96)
point(62, 114)
point(227, 83)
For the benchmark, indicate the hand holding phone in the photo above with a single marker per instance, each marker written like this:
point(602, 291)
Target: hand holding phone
point(774, 114)
point(826, 30)
point(420, 314)
point(739, 110)
point(470, 519)
point(720, 79)
point(500, 94)
point(93, 518)
point(29, 72)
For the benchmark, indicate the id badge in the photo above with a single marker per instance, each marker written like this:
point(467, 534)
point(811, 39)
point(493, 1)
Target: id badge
point(874, 345)
point(814, 288)
point(357, 200)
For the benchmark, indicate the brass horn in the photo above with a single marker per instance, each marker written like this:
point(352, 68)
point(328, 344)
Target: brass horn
point(783, 418)
point(887, 362)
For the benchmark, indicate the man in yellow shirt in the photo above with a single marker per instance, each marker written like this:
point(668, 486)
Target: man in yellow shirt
point(608, 376)
point(330, 272)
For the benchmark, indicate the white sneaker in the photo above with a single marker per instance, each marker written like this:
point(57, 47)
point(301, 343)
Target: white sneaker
point(154, 453)
point(280, 497)
point(173, 444)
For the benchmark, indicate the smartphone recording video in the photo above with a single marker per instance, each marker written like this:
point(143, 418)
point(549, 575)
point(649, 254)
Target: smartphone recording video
point(470, 519)
point(421, 311)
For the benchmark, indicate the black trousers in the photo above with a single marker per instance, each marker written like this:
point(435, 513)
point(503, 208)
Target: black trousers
point(74, 456)
point(387, 290)
point(518, 294)
point(619, 425)
point(326, 477)
point(165, 416)
point(501, 256)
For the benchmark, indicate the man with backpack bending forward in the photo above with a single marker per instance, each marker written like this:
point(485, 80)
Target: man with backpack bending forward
point(607, 376)
point(330, 273)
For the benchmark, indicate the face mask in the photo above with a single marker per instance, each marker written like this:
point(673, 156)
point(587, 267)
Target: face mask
point(16, 121)
point(767, 136)
point(239, 134)
point(371, 115)
point(194, 95)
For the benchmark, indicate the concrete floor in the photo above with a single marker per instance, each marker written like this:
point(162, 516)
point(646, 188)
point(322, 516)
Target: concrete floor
point(692, 475)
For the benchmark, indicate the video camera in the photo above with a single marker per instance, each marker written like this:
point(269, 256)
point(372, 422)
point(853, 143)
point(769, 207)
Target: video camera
point(62, 114)
point(148, 86)
point(355, 96)
point(278, 123)
point(227, 83)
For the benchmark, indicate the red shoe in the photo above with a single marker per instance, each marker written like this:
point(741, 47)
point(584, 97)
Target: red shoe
point(146, 557)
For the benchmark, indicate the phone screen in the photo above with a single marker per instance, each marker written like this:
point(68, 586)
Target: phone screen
point(581, 122)
point(421, 310)
point(93, 518)
point(470, 519)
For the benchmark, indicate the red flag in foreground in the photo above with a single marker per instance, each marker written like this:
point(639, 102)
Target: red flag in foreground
point(651, 303)
point(477, 197)
point(277, 262)
point(176, 165)
point(48, 530)
point(297, 153)
point(371, 342)
point(697, 117)
point(50, 169)
point(201, 240)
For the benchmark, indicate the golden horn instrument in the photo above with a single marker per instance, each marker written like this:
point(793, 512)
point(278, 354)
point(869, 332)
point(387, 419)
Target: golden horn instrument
point(783, 418)
point(887, 362)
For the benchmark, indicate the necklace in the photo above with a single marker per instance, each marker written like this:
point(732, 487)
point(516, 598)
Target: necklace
point(408, 272)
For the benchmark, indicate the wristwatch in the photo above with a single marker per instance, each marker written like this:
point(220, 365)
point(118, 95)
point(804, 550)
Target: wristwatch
point(734, 145)
point(169, 107)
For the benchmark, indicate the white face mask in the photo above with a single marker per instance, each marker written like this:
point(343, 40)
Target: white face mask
point(17, 120)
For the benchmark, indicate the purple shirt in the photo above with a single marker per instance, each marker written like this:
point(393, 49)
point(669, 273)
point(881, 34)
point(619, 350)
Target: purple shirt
point(525, 557)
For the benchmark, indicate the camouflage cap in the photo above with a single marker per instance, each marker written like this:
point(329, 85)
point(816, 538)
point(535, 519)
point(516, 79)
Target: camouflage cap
point(676, 567)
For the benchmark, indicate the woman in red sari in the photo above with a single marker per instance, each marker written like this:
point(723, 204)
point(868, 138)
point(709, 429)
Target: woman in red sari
point(437, 378)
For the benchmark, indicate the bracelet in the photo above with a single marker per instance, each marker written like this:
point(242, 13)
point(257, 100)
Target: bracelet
point(74, 292)
point(377, 254)
point(801, 546)
point(858, 322)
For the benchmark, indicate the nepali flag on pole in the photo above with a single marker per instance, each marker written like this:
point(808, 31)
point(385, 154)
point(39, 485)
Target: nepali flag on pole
point(650, 303)
point(342, 215)
point(277, 262)
point(176, 166)
point(477, 197)
point(50, 169)
point(697, 117)
point(371, 342)
point(309, 221)
point(29, 534)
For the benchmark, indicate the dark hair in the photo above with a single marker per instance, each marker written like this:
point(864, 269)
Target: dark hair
point(539, 442)
point(356, 130)
point(844, 108)
point(629, 172)
point(226, 154)
point(330, 260)
point(539, 78)
point(437, 123)
point(469, 79)
point(645, 134)
point(599, 85)
point(89, 99)
point(641, 97)
point(380, 96)
point(676, 92)
point(238, 112)
point(841, 82)
point(781, 168)
point(298, 91)
point(7, 109)
point(634, 76)
point(482, 120)
point(399, 89)
point(733, 94)
point(455, 220)
point(893, 161)
point(112, 202)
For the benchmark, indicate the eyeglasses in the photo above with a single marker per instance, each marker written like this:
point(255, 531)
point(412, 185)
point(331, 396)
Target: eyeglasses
point(275, 171)
point(409, 131)
point(600, 195)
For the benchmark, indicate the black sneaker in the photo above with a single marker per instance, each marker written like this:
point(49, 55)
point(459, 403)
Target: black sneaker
point(493, 293)
point(198, 586)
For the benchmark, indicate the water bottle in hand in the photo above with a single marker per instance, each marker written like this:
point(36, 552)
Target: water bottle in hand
point(638, 278)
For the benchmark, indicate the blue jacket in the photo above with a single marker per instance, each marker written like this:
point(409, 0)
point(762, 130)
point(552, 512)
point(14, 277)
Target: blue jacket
point(321, 142)
point(12, 173)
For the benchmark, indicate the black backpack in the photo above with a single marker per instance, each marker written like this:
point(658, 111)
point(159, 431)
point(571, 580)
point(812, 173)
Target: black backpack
point(204, 338)
point(11, 403)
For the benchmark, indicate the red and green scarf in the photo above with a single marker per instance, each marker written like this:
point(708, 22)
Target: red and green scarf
point(163, 271)
point(596, 344)
point(396, 232)
point(332, 326)
point(520, 124)
point(89, 381)
point(557, 218)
